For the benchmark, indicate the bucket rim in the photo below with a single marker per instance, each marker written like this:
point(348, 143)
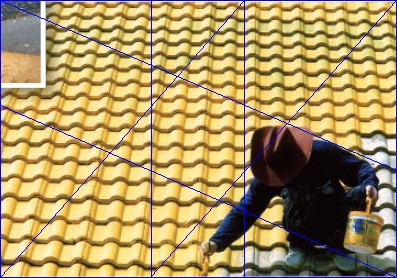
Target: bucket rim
point(367, 215)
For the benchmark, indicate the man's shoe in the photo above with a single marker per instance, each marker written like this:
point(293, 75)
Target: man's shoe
point(343, 263)
point(295, 258)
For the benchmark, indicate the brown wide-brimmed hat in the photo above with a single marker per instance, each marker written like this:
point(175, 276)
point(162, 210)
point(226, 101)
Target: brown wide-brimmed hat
point(277, 161)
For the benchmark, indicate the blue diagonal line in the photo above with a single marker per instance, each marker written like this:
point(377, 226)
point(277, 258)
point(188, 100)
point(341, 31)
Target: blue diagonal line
point(161, 175)
point(272, 140)
point(112, 153)
point(121, 139)
point(124, 159)
point(200, 86)
point(76, 138)
point(86, 142)
point(319, 87)
point(115, 155)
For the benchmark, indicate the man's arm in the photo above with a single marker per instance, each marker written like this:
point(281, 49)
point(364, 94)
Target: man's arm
point(354, 171)
point(357, 173)
point(257, 198)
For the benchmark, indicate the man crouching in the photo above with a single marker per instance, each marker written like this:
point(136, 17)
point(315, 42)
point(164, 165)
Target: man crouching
point(307, 174)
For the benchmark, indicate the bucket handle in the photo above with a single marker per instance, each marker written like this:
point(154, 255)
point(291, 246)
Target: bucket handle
point(369, 204)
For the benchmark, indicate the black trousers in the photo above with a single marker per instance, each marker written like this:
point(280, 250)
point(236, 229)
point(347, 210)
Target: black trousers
point(319, 213)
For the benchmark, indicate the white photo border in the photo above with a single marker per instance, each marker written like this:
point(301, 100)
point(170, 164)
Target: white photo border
point(43, 64)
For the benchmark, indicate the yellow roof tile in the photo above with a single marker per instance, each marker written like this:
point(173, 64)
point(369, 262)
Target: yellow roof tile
point(97, 94)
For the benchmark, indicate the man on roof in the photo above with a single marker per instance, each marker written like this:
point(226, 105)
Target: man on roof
point(306, 173)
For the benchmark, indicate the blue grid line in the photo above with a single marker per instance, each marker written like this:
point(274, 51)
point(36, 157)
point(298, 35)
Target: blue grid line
point(389, 8)
point(219, 94)
point(272, 140)
point(151, 138)
point(245, 148)
point(177, 182)
point(150, 108)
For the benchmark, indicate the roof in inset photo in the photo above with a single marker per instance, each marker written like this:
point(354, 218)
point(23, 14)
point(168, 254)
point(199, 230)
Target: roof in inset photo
point(98, 89)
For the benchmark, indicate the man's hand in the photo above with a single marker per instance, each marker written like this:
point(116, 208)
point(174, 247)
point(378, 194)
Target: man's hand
point(207, 249)
point(371, 193)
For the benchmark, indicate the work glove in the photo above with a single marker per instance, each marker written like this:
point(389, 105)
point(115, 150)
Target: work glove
point(207, 249)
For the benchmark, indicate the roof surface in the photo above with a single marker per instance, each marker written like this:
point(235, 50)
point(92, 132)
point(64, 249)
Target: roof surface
point(97, 94)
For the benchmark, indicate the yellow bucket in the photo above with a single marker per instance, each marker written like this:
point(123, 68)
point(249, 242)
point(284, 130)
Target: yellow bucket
point(362, 231)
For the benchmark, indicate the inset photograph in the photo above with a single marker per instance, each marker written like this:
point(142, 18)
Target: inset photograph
point(22, 44)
